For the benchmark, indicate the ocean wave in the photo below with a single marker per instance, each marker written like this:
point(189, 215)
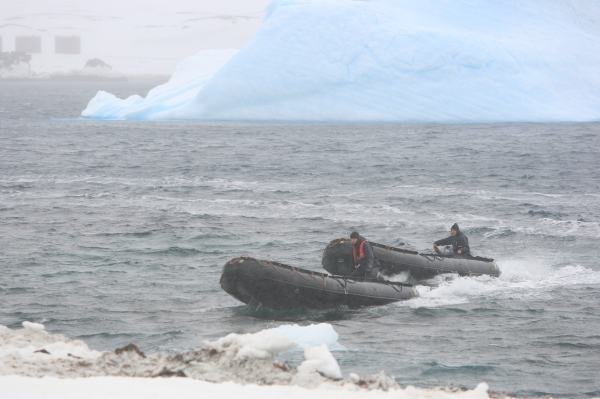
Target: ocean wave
point(295, 315)
point(170, 182)
point(436, 368)
point(355, 212)
point(137, 234)
point(181, 251)
point(538, 214)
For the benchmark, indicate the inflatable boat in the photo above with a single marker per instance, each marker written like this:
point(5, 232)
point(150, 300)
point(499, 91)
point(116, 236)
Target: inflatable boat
point(337, 259)
point(273, 285)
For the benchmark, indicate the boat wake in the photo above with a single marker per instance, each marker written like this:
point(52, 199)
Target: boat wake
point(520, 279)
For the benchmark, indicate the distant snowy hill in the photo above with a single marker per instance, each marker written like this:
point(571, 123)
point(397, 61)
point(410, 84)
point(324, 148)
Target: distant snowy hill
point(397, 60)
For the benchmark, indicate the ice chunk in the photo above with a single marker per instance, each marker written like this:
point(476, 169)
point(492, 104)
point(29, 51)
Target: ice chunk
point(269, 342)
point(410, 60)
point(319, 359)
point(33, 326)
point(261, 345)
point(311, 335)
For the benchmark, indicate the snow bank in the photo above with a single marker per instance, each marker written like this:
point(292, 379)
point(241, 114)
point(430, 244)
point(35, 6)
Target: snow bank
point(33, 344)
point(392, 60)
point(181, 388)
point(245, 358)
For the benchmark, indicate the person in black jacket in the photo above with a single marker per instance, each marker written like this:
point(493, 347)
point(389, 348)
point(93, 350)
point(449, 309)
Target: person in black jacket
point(362, 254)
point(458, 240)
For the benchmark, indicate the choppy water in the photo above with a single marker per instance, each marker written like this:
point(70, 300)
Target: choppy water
point(116, 232)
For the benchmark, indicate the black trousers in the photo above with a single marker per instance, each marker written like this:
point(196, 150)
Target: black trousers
point(365, 272)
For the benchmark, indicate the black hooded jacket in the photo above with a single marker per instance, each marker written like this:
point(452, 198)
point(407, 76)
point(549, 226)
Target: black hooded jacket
point(460, 241)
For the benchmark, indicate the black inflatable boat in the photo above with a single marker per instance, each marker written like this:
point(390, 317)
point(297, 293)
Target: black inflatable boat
point(277, 286)
point(337, 259)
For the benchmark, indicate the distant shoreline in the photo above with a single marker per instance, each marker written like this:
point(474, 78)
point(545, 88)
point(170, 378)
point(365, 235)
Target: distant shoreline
point(82, 78)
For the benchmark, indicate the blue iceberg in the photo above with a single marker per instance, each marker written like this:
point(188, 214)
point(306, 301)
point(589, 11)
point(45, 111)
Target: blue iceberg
point(394, 60)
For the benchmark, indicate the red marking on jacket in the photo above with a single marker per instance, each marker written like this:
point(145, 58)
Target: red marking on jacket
point(358, 252)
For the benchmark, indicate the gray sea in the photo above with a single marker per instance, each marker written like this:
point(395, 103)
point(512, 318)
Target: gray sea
point(116, 232)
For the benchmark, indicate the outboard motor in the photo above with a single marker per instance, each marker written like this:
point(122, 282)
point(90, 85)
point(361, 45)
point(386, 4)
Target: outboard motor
point(337, 257)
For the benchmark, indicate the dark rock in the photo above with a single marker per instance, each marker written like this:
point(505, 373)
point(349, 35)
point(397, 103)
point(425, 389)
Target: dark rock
point(165, 372)
point(212, 352)
point(130, 348)
point(97, 63)
point(281, 366)
point(10, 59)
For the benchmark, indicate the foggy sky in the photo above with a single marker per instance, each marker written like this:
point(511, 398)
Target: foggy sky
point(125, 8)
point(156, 33)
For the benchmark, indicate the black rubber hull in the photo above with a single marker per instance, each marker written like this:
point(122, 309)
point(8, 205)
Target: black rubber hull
point(337, 259)
point(276, 286)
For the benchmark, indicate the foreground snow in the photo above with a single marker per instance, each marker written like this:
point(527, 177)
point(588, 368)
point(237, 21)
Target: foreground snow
point(409, 60)
point(182, 388)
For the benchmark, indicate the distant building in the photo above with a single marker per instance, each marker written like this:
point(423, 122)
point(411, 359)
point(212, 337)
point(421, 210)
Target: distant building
point(28, 44)
point(46, 50)
point(67, 45)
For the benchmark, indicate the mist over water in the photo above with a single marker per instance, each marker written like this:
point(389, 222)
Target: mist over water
point(116, 232)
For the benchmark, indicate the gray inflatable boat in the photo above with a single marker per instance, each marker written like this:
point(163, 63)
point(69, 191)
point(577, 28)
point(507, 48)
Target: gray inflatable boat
point(337, 259)
point(274, 285)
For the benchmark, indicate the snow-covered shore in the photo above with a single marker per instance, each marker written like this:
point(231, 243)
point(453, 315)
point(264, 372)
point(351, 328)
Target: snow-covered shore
point(15, 387)
point(37, 364)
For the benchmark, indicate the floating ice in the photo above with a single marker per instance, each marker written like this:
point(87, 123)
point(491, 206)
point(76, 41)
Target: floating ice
point(391, 60)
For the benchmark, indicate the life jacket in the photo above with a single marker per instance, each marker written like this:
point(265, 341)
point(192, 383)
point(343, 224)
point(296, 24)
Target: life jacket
point(358, 251)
